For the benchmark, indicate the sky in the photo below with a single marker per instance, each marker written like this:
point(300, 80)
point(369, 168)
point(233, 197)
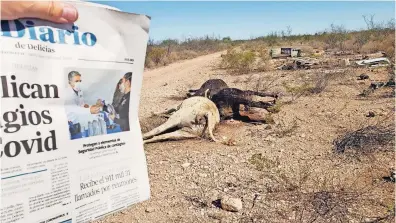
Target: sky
point(244, 20)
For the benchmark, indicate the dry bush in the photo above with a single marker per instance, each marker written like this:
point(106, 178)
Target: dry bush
point(322, 80)
point(321, 83)
point(385, 44)
point(297, 91)
point(238, 62)
point(366, 140)
point(307, 50)
point(352, 45)
point(156, 55)
point(187, 54)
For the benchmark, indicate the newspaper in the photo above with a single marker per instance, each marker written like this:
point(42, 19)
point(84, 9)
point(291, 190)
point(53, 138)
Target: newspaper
point(71, 144)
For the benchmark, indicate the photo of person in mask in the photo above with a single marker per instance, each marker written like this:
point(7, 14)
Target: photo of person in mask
point(122, 116)
point(75, 99)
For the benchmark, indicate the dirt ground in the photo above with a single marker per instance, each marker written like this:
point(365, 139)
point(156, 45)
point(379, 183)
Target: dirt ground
point(286, 171)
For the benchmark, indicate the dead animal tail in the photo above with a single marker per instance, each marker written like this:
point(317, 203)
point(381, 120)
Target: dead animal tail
point(210, 126)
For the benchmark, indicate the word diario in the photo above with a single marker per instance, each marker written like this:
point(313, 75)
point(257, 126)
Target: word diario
point(46, 34)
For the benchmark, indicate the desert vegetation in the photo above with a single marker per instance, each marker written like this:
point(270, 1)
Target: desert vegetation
point(244, 56)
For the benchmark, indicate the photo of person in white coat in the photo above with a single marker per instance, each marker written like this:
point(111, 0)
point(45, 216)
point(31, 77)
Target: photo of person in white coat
point(77, 110)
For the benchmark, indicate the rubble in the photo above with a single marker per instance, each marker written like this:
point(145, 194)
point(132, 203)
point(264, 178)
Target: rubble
point(300, 63)
point(377, 62)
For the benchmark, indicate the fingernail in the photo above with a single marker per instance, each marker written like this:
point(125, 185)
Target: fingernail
point(69, 13)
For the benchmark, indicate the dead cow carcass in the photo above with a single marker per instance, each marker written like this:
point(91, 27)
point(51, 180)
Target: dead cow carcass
point(192, 115)
point(211, 86)
point(233, 97)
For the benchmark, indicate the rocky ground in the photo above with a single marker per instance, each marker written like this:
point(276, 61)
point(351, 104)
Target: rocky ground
point(284, 171)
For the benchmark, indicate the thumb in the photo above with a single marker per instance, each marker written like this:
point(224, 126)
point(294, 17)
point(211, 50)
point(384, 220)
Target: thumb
point(54, 11)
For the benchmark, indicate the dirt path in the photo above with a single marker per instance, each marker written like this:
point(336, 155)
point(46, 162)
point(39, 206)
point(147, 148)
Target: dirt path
point(274, 169)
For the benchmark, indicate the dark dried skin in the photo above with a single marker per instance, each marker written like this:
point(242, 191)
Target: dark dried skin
point(233, 97)
point(214, 86)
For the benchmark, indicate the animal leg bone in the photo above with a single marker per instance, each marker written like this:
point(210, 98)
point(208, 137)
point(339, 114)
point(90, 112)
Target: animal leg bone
point(170, 123)
point(177, 135)
point(260, 104)
point(166, 113)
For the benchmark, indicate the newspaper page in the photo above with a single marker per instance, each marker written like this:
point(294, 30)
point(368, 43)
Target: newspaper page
point(71, 144)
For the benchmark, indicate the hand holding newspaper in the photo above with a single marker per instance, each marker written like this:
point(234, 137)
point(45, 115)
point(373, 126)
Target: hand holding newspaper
point(71, 145)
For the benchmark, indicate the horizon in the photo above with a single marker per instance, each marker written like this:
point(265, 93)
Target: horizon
point(192, 19)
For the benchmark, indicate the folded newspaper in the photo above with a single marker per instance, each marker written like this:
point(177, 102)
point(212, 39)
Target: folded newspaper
point(71, 144)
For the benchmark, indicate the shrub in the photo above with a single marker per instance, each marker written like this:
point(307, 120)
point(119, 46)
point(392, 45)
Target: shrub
point(238, 62)
point(298, 90)
point(156, 54)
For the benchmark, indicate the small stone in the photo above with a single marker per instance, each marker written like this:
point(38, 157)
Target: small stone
point(370, 114)
point(185, 165)
point(231, 204)
point(302, 135)
point(268, 127)
point(149, 210)
point(269, 138)
point(203, 175)
point(206, 167)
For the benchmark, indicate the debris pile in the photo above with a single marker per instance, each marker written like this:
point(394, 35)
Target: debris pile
point(300, 63)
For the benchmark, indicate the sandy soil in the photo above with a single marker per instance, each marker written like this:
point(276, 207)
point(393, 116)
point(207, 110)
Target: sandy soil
point(280, 171)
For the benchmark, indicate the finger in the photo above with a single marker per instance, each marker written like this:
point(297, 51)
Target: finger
point(54, 11)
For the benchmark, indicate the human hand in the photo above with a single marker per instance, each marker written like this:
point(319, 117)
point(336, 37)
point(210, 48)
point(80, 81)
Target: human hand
point(94, 109)
point(54, 11)
point(99, 102)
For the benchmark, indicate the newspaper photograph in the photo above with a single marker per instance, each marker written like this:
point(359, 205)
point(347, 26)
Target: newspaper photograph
point(71, 143)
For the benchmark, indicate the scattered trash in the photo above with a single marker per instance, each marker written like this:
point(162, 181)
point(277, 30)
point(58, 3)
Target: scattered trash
point(285, 52)
point(377, 62)
point(301, 63)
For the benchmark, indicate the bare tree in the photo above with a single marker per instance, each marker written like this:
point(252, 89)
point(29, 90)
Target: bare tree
point(288, 30)
point(369, 20)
